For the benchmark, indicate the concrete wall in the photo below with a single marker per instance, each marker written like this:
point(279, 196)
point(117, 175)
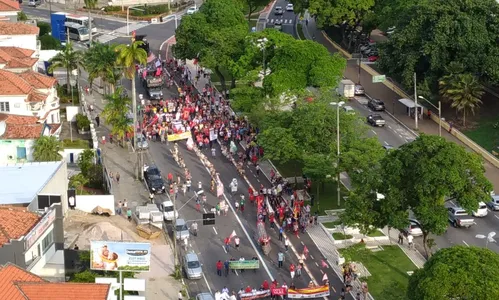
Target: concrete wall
point(69, 154)
point(71, 112)
point(87, 203)
point(58, 185)
point(13, 253)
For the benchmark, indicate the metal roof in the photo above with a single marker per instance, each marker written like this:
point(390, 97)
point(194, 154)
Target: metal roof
point(20, 183)
point(408, 102)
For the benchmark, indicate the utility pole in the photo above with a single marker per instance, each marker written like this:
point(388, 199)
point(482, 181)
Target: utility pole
point(416, 110)
point(89, 25)
point(134, 104)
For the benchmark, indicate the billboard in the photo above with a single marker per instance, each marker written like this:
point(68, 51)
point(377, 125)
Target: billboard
point(120, 256)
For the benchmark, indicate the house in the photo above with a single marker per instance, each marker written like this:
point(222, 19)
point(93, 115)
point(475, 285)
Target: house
point(18, 60)
point(18, 284)
point(19, 35)
point(9, 10)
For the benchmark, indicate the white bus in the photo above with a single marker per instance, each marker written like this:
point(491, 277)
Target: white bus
point(77, 32)
point(80, 20)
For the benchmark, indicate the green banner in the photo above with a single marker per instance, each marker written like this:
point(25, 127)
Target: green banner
point(244, 265)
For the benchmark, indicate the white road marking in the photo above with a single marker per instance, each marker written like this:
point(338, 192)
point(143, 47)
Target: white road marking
point(401, 136)
point(389, 126)
point(204, 209)
point(302, 243)
point(214, 229)
point(496, 216)
point(311, 256)
point(235, 271)
point(406, 140)
point(466, 244)
point(258, 180)
point(386, 143)
point(224, 248)
point(316, 264)
point(374, 132)
point(207, 284)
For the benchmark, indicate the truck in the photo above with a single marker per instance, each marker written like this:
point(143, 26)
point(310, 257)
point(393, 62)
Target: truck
point(346, 88)
point(154, 87)
point(458, 217)
point(376, 120)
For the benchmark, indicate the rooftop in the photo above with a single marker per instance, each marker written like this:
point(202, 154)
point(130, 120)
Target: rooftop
point(18, 284)
point(14, 179)
point(20, 127)
point(38, 80)
point(15, 222)
point(9, 5)
point(10, 28)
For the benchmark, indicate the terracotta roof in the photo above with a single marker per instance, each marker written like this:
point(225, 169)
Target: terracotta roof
point(38, 80)
point(10, 28)
point(16, 52)
point(9, 274)
point(37, 97)
point(13, 84)
point(9, 5)
point(15, 222)
point(19, 284)
point(20, 127)
point(64, 291)
point(54, 127)
point(14, 57)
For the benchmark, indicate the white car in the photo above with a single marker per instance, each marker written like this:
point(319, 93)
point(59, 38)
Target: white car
point(168, 212)
point(414, 228)
point(289, 7)
point(191, 10)
point(348, 109)
point(481, 211)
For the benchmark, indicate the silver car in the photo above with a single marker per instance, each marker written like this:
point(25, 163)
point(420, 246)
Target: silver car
point(204, 296)
point(142, 141)
point(359, 90)
point(181, 230)
point(414, 228)
point(192, 267)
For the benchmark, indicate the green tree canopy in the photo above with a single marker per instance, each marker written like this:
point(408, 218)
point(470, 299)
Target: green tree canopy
point(47, 148)
point(49, 42)
point(100, 61)
point(457, 272)
point(329, 12)
point(430, 35)
point(69, 59)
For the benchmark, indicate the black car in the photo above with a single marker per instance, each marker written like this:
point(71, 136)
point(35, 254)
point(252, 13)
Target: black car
point(278, 11)
point(156, 184)
point(150, 172)
point(376, 105)
point(278, 24)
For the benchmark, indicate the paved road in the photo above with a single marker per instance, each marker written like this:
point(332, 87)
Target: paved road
point(288, 18)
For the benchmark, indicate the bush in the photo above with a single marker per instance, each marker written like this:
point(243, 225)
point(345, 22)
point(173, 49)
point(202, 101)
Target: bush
point(21, 16)
point(112, 8)
point(49, 42)
point(149, 10)
point(64, 97)
point(44, 28)
point(95, 177)
point(82, 122)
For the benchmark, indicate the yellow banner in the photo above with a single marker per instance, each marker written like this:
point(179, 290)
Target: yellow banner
point(179, 136)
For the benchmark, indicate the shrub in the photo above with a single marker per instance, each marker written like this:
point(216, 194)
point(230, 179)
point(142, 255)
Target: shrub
point(49, 42)
point(149, 10)
point(82, 122)
point(44, 28)
point(112, 8)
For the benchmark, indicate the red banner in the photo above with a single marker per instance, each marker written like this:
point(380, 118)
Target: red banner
point(255, 295)
point(279, 291)
point(309, 293)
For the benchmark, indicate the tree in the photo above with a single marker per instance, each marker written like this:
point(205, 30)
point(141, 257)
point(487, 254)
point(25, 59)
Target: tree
point(91, 4)
point(45, 28)
point(457, 272)
point(78, 181)
point(279, 144)
point(253, 5)
point(421, 176)
point(68, 59)
point(47, 148)
point(319, 167)
point(21, 16)
point(214, 35)
point(49, 42)
point(115, 114)
point(463, 91)
point(85, 161)
point(430, 35)
point(100, 62)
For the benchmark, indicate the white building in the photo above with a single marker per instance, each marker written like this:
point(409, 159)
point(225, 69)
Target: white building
point(19, 35)
point(9, 10)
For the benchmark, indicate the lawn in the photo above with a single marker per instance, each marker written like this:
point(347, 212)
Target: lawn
point(376, 233)
point(388, 268)
point(331, 224)
point(340, 236)
point(485, 134)
point(289, 169)
point(299, 28)
point(76, 144)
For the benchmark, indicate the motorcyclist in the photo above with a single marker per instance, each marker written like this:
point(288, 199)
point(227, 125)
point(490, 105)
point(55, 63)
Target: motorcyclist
point(233, 186)
point(194, 229)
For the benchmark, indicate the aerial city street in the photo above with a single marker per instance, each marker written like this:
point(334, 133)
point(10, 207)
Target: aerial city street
point(247, 149)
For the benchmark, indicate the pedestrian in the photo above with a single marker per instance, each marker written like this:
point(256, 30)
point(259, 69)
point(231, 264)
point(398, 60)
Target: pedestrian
point(401, 238)
point(170, 178)
point(242, 203)
point(184, 188)
point(257, 169)
point(125, 204)
point(298, 270)
point(97, 120)
point(180, 295)
point(129, 215)
point(117, 176)
point(119, 208)
point(200, 185)
point(236, 204)
point(76, 247)
point(226, 268)
point(410, 239)
point(219, 267)
point(280, 259)
point(227, 244)
point(342, 294)
point(236, 242)
point(213, 152)
point(188, 183)
point(281, 233)
point(286, 243)
point(292, 271)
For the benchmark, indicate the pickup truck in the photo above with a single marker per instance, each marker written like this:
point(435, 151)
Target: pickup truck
point(460, 218)
point(376, 120)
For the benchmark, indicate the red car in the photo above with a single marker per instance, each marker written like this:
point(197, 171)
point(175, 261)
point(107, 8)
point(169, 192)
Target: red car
point(373, 58)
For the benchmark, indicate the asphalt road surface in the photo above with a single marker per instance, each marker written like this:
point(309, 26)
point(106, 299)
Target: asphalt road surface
point(288, 18)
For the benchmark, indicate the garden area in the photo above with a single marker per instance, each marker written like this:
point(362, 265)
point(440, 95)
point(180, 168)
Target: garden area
point(68, 97)
point(389, 267)
point(90, 181)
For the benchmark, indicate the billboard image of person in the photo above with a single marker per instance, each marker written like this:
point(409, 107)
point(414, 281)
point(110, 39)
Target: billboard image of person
point(120, 256)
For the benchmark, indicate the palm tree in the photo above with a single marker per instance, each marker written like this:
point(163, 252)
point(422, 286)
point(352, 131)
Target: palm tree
point(90, 4)
point(68, 59)
point(78, 181)
point(463, 91)
point(115, 113)
point(47, 148)
point(100, 62)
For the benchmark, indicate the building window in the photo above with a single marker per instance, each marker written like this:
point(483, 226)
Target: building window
point(5, 106)
point(21, 152)
point(47, 200)
point(48, 241)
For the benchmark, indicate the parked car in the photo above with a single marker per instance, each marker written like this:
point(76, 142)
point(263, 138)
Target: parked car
point(493, 204)
point(359, 90)
point(192, 267)
point(373, 58)
point(289, 7)
point(376, 104)
point(181, 230)
point(278, 11)
point(191, 10)
point(349, 110)
point(278, 24)
point(204, 296)
point(156, 184)
point(151, 171)
point(168, 212)
point(376, 120)
point(481, 211)
point(458, 217)
point(414, 228)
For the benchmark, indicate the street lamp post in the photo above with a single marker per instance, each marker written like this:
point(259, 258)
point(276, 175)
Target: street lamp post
point(416, 109)
point(128, 16)
point(439, 108)
point(489, 238)
point(338, 105)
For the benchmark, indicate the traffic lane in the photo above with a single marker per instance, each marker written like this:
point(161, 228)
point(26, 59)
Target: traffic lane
point(157, 34)
point(209, 242)
point(392, 133)
point(313, 262)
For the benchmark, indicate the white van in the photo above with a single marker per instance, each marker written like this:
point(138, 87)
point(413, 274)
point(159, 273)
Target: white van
point(35, 3)
point(481, 211)
point(168, 212)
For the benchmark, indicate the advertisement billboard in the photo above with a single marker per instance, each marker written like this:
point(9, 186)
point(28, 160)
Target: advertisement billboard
point(120, 256)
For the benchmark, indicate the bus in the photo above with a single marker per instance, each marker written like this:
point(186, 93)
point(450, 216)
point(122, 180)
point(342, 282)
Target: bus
point(77, 32)
point(80, 20)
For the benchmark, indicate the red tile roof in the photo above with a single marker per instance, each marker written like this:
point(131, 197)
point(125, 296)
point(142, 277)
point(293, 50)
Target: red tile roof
point(10, 28)
point(15, 222)
point(20, 127)
point(13, 84)
point(14, 57)
point(9, 5)
point(18, 284)
point(38, 80)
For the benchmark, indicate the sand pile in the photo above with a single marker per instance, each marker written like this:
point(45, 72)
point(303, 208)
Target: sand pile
point(101, 231)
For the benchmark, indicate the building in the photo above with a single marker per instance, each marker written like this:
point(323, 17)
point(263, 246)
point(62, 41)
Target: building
point(19, 35)
point(18, 60)
point(9, 10)
point(18, 284)
point(35, 186)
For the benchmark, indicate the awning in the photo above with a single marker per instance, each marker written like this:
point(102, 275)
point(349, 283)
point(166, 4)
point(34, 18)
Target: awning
point(408, 103)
